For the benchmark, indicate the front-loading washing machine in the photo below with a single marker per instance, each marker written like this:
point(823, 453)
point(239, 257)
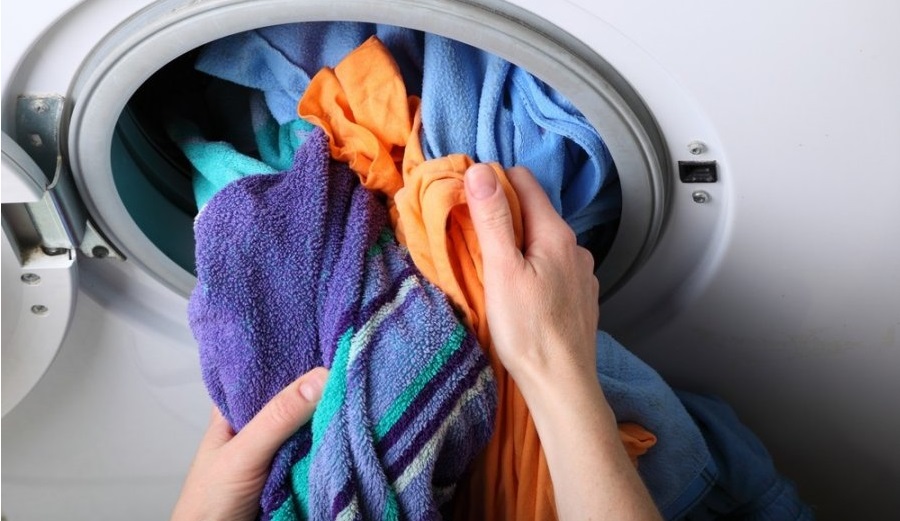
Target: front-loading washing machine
point(757, 254)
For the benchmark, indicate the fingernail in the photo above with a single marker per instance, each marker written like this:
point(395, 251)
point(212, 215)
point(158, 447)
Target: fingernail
point(311, 389)
point(481, 181)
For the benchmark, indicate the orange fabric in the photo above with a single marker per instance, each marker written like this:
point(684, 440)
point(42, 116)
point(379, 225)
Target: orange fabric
point(637, 440)
point(374, 126)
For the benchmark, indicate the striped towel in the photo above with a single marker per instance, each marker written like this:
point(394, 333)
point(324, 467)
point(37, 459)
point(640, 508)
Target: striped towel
point(300, 269)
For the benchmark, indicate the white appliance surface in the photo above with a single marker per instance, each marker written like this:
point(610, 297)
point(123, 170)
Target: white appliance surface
point(791, 310)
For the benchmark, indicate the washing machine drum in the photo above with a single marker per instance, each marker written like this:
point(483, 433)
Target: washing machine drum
point(123, 191)
point(137, 186)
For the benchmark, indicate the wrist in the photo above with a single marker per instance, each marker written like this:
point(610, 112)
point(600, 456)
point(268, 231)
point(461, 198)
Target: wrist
point(553, 378)
point(567, 396)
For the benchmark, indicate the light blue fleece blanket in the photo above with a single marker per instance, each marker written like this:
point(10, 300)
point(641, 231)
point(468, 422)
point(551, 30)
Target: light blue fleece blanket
point(517, 120)
point(280, 60)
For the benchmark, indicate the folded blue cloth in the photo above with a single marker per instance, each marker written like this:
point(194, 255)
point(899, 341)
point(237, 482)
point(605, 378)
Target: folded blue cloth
point(218, 163)
point(473, 103)
point(747, 487)
point(679, 470)
point(300, 269)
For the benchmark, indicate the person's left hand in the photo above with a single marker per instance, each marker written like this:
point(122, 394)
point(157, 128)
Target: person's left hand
point(228, 473)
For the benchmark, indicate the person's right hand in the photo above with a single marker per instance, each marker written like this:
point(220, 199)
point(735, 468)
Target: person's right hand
point(542, 304)
point(542, 310)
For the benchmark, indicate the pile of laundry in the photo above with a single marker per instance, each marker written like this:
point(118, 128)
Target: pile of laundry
point(334, 231)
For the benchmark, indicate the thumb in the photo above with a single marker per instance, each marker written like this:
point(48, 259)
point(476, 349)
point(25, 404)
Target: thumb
point(281, 417)
point(491, 216)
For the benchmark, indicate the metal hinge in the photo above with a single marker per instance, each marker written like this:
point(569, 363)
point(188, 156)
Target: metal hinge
point(59, 217)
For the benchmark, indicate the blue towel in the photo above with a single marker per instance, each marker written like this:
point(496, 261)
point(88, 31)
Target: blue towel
point(518, 120)
point(300, 269)
point(747, 487)
point(280, 60)
point(218, 163)
point(679, 470)
point(473, 103)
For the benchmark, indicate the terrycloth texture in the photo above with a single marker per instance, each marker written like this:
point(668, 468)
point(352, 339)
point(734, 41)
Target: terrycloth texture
point(218, 163)
point(299, 269)
point(747, 487)
point(680, 470)
point(372, 124)
point(473, 103)
point(280, 60)
point(478, 104)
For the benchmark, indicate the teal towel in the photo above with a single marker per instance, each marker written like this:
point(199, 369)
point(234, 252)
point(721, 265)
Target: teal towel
point(218, 163)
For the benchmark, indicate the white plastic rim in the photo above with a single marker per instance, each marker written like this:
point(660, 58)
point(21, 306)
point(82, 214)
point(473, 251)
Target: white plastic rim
point(38, 303)
point(129, 55)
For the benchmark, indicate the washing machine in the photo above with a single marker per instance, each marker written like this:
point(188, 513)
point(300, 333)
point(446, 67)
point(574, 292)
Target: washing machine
point(757, 255)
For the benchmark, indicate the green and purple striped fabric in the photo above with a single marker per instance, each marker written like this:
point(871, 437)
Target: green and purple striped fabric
point(300, 269)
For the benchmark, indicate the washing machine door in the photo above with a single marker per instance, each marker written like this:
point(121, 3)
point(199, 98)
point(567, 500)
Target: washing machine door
point(39, 273)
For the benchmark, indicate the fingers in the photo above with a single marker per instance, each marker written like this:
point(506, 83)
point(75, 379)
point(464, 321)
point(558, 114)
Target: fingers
point(281, 417)
point(586, 266)
point(491, 216)
point(540, 220)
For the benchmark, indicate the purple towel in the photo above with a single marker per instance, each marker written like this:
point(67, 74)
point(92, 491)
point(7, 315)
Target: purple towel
point(300, 269)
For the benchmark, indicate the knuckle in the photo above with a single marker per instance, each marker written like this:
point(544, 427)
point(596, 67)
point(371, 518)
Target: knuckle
point(565, 237)
point(496, 218)
point(586, 258)
point(282, 412)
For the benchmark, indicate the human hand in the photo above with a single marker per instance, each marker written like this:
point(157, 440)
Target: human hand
point(228, 473)
point(542, 311)
point(542, 304)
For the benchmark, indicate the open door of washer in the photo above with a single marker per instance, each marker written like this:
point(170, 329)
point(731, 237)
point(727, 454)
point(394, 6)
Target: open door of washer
point(40, 274)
